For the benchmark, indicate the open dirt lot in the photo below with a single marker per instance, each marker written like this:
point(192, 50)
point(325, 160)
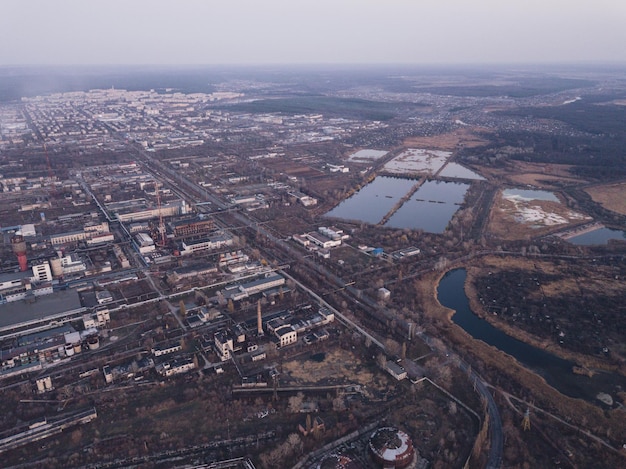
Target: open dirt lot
point(293, 168)
point(337, 367)
point(610, 196)
point(512, 219)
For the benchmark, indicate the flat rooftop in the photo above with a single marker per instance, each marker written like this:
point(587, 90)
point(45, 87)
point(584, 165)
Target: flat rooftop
point(11, 276)
point(39, 307)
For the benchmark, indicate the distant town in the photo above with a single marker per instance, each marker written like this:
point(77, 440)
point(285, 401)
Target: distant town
point(342, 270)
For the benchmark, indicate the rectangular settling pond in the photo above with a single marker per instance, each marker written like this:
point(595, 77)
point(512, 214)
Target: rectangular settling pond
point(431, 207)
point(374, 201)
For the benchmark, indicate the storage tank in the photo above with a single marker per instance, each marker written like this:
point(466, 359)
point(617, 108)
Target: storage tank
point(391, 448)
point(69, 350)
point(93, 343)
point(56, 267)
point(41, 386)
point(77, 347)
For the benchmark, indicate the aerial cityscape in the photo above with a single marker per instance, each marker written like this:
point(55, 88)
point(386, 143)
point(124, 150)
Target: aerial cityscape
point(349, 252)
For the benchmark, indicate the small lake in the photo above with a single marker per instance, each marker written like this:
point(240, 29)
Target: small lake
point(556, 371)
point(373, 201)
point(599, 236)
point(431, 207)
point(525, 194)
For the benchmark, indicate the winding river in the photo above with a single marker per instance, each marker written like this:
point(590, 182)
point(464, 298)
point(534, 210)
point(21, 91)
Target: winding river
point(556, 371)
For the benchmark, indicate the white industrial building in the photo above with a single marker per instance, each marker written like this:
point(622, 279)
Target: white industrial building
point(90, 230)
point(167, 210)
point(212, 243)
point(67, 265)
point(42, 272)
point(145, 243)
point(176, 367)
point(286, 335)
point(223, 345)
point(322, 241)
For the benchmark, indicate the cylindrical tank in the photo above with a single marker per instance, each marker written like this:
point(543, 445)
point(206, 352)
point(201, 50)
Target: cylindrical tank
point(41, 387)
point(69, 350)
point(93, 343)
point(56, 267)
point(77, 347)
point(391, 448)
point(47, 381)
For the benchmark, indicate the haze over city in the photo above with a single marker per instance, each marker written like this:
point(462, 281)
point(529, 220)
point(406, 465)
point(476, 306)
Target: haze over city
point(312, 234)
point(112, 32)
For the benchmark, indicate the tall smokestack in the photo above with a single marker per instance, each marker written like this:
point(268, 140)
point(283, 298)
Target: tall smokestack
point(259, 320)
point(19, 248)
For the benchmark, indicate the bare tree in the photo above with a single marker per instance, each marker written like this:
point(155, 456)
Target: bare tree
point(295, 402)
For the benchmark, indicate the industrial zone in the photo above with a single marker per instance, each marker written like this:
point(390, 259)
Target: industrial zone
point(190, 281)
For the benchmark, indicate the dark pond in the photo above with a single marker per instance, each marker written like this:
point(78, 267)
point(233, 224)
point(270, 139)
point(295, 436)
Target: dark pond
point(373, 201)
point(599, 236)
point(431, 207)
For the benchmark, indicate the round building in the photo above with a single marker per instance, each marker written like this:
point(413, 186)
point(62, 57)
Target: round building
point(391, 448)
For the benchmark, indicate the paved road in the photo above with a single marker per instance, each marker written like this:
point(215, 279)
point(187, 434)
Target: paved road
point(496, 436)
point(495, 423)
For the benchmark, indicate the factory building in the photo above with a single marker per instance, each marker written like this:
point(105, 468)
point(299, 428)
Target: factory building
point(286, 335)
point(145, 243)
point(134, 210)
point(20, 285)
point(212, 243)
point(71, 264)
point(93, 233)
point(223, 345)
point(176, 367)
point(194, 227)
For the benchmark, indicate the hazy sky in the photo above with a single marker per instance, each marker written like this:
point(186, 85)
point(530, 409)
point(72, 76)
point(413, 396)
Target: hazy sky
point(310, 31)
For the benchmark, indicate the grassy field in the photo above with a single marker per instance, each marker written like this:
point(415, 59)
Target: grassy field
point(337, 367)
point(541, 175)
point(466, 137)
point(610, 196)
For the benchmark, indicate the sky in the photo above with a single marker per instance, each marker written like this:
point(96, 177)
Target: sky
point(111, 32)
